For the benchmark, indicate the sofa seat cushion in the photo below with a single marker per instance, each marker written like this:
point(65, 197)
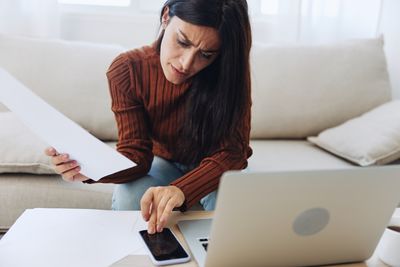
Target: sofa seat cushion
point(284, 155)
point(23, 191)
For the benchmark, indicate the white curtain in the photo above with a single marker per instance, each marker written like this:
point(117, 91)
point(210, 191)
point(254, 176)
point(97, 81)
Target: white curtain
point(315, 20)
point(38, 18)
point(273, 20)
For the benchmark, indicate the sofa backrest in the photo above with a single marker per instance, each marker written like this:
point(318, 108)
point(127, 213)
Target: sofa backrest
point(71, 76)
point(298, 90)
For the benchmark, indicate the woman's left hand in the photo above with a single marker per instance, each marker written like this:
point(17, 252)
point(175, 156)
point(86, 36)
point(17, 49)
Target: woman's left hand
point(157, 204)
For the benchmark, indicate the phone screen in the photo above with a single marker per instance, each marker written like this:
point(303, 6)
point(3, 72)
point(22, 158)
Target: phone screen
point(164, 245)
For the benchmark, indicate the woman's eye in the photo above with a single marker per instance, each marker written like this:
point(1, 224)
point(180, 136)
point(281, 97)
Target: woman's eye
point(182, 43)
point(206, 56)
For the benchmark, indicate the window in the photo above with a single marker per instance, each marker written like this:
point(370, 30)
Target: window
point(116, 3)
point(153, 5)
point(111, 7)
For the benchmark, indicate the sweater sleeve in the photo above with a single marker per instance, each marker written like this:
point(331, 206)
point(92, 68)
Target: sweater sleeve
point(204, 179)
point(133, 126)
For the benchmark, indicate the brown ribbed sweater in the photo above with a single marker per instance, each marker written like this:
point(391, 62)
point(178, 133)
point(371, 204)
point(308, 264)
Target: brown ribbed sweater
point(148, 110)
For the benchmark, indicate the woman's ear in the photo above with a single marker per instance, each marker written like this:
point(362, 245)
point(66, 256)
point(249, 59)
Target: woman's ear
point(165, 17)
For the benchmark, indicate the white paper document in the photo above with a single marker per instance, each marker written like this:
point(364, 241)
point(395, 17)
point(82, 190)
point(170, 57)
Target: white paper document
point(72, 237)
point(95, 157)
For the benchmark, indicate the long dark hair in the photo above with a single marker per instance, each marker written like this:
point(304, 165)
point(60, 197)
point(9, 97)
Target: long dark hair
point(220, 94)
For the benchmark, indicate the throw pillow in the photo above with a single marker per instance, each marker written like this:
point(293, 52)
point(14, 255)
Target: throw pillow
point(373, 138)
point(20, 150)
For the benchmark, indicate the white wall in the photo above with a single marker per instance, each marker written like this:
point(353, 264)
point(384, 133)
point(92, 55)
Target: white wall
point(128, 31)
point(390, 27)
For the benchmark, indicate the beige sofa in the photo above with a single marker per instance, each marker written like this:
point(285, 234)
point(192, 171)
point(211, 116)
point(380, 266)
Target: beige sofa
point(298, 91)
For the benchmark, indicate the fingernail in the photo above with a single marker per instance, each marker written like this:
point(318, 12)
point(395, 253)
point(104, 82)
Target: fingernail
point(65, 156)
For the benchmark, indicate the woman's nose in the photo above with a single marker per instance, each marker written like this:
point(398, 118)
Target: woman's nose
point(187, 60)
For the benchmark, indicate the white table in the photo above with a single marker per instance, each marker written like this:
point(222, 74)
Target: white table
point(58, 237)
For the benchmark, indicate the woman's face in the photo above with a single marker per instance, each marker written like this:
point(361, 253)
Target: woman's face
point(186, 48)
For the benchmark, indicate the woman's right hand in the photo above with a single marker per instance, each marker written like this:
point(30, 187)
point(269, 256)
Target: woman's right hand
point(67, 168)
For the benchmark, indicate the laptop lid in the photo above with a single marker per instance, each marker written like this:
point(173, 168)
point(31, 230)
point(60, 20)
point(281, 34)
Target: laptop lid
point(301, 218)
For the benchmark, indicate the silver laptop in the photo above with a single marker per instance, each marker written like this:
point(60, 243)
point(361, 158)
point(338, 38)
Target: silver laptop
point(297, 218)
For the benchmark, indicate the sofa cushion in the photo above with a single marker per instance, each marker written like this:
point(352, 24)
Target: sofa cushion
point(300, 90)
point(291, 155)
point(21, 150)
point(71, 76)
point(24, 191)
point(373, 138)
point(3, 108)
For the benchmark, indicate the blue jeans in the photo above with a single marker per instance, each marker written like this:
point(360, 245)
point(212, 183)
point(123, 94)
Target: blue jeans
point(127, 196)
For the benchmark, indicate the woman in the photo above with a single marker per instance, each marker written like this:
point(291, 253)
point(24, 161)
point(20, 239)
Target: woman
point(182, 107)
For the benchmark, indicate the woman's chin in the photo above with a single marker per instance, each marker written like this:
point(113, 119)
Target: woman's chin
point(175, 80)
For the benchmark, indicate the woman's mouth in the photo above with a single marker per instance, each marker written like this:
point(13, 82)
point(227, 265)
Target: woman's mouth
point(180, 73)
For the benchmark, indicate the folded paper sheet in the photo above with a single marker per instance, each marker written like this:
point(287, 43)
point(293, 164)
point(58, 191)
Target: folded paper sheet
point(95, 157)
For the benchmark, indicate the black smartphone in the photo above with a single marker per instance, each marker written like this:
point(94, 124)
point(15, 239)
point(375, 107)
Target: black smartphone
point(164, 247)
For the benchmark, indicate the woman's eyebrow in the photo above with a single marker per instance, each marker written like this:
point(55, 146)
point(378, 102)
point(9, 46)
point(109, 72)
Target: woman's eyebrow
point(191, 43)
